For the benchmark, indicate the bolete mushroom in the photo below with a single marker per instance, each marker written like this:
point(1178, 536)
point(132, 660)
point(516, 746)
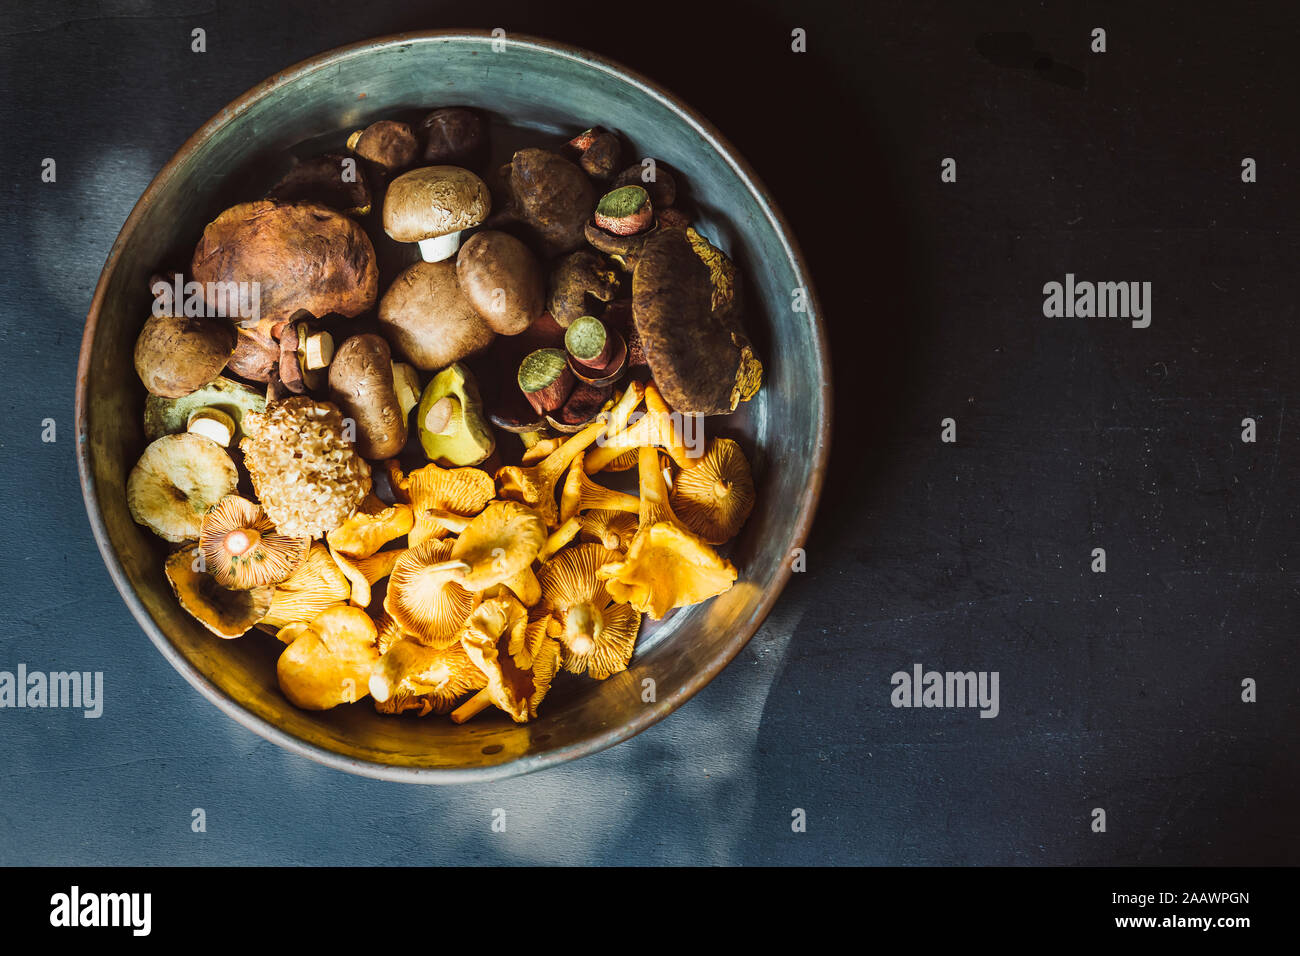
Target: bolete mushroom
point(243, 550)
point(654, 177)
point(175, 482)
point(597, 353)
point(432, 490)
point(213, 424)
point(167, 416)
point(545, 379)
point(700, 361)
point(361, 385)
point(256, 356)
point(430, 321)
point(576, 277)
point(176, 355)
point(432, 206)
point(625, 211)
point(452, 429)
point(306, 351)
point(225, 613)
point(300, 256)
point(597, 632)
point(423, 596)
point(316, 584)
point(714, 497)
point(667, 565)
point(388, 144)
point(502, 280)
point(330, 660)
point(552, 196)
point(597, 150)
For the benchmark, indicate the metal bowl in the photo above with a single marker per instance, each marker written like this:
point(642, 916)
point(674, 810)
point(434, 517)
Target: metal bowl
point(549, 88)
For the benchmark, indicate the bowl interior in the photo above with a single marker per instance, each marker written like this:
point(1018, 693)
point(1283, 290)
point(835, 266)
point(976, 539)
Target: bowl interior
point(311, 107)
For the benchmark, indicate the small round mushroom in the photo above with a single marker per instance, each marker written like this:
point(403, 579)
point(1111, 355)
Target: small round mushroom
point(503, 280)
point(324, 179)
point(454, 136)
point(432, 206)
point(175, 482)
point(242, 549)
point(579, 275)
point(388, 144)
point(361, 385)
point(176, 355)
point(429, 320)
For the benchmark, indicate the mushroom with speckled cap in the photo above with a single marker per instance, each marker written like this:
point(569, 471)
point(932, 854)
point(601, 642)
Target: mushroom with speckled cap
point(432, 206)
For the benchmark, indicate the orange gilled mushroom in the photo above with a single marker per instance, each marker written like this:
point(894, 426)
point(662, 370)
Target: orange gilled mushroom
point(535, 485)
point(411, 676)
point(329, 660)
point(523, 582)
point(656, 427)
point(498, 544)
point(461, 491)
point(315, 585)
point(389, 631)
point(423, 596)
point(715, 497)
point(371, 526)
point(540, 449)
point(614, 529)
point(597, 633)
point(518, 676)
point(363, 573)
point(580, 494)
point(225, 613)
point(667, 565)
point(242, 549)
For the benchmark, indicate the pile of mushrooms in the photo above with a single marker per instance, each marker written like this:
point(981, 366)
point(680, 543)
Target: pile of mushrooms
point(331, 467)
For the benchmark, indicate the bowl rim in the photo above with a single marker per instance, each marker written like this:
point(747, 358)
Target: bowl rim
point(525, 764)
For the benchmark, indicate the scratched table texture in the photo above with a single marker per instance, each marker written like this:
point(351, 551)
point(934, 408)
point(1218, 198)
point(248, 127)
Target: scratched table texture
point(1119, 690)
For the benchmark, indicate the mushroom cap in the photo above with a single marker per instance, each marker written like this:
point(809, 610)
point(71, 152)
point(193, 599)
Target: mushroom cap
point(433, 201)
point(715, 496)
point(169, 416)
point(242, 548)
point(495, 638)
point(503, 280)
point(225, 613)
point(462, 491)
point(423, 597)
point(598, 634)
point(176, 354)
point(668, 567)
point(363, 573)
point(428, 319)
point(371, 526)
point(316, 584)
point(175, 482)
point(390, 632)
point(689, 349)
point(302, 255)
point(411, 676)
point(498, 544)
point(553, 196)
point(330, 660)
point(389, 144)
point(613, 529)
point(320, 179)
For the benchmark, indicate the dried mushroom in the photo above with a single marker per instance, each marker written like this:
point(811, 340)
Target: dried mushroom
point(330, 659)
point(667, 565)
point(242, 548)
point(175, 482)
point(306, 474)
point(225, 613)
point(597, 632)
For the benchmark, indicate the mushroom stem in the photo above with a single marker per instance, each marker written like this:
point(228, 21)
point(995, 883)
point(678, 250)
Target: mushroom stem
point(381, 688)
point(479, 702)
point(722, 487)
point(441, 417)
point(453, 522)
point(317, 350)
point(581, 623)
point(242, 540)
point(438, 248)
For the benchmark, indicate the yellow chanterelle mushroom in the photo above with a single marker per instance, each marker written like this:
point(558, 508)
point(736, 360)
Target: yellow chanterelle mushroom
point(598, 633)
point(329, 660)
point(715, 497)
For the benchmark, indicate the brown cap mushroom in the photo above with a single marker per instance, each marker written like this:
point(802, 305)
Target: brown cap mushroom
point(552, 196)
point(411, 676)
point(176, 355)
point(328, 181)
point(429, 320)
point(432, 205)
point(502, 279)
point(300, 255)
point(388, 144)
point(242, 548)
point(362, 385)
point(578, 276)
point(454, 136)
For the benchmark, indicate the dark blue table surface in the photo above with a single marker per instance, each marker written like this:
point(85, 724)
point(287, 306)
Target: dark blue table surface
point(1119, 691)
